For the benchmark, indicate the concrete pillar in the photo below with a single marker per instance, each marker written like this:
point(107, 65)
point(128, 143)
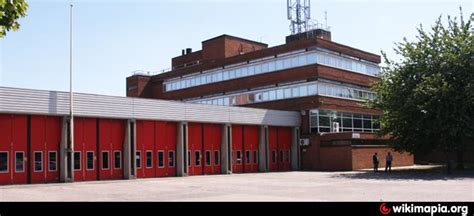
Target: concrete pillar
point(63, 170)
point(226, 149)
point(182, 150)
point(295, 148)
point(129, 149)
point(263, 149)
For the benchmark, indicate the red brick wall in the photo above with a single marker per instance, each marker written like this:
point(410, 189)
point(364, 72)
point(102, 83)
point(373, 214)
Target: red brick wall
point(188, 58)
point(335, 158)
point(142, 84)
point(362, 157)
point(310, 154)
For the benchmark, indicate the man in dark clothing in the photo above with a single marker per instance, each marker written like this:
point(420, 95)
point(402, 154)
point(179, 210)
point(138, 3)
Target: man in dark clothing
point(375, 160)
point(388, 164)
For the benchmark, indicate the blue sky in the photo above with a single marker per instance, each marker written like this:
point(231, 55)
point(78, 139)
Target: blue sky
point(114, 38)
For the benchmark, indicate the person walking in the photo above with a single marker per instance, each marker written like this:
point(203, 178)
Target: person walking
point(375, 161)
point(388, 162)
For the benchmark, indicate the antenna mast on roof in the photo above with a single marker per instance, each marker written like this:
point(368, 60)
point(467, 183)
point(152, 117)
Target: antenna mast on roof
point(299, 14)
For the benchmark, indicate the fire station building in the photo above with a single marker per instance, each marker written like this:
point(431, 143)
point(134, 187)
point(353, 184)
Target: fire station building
point(126, 138)
point(236, 106)
point(325, 82)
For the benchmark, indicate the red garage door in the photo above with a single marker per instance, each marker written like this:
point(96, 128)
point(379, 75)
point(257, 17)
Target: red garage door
point(237, 147)
point(85, 149)
point(212, 148)
point(280, 145)
point(13, 149)
point(165, 148)
point(251, 140)
point(111, 138)
point(145, 149)
point(44, 150)
point(195, 148)
point(284, 146)
point(245, 141)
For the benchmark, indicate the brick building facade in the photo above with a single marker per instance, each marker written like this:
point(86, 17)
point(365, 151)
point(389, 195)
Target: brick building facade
point(327, 82)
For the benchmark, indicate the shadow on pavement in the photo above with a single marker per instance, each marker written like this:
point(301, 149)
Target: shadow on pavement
point(435, 173)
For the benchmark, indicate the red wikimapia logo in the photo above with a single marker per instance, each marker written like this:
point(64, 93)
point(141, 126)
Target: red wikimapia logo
point(384, 209)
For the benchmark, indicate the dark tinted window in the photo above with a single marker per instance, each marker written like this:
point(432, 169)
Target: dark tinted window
point(3, 162)
point(19, 164)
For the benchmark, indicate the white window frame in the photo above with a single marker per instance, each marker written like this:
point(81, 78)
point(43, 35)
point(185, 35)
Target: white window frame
point(87, 160)
point(102, 160)
point(34, 161)
point(218, 157)
point(139, 164)
point(74, 166)
point(8, 162)
point(210, 158)
point(22, 162)
point(146, 159)
point(120, 153)
point(174, 158)
point(200, 157)
point(158, 159)
point(237, 159)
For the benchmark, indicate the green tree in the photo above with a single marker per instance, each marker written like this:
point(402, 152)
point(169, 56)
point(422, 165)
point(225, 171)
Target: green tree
point(10, 12)
point(428, 95)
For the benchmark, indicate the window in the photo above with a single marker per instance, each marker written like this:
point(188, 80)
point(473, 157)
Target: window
point(90, 160)
point(19, 162)
point(3, 162)
point(161, 159)
point(279, 94)
point(312, 89)
point(274, 155)
point(189, 158)
point(170, 158)
point(197, 158)
point(105, 160)
point(287, 93)
point(38, 159)
point(216, 158)
point(320, 120)
point(255, 157)
point(138, 159)
point(265, 68)
point(302, 59)
point(272, 94)
point(279, 64)
point(287, 63)
point(311, 58)
point(117, 159)
point(271, 66)
point(77, 161)
point(251, 70)
point(294, 62)
point(265, 96)
point(247, 157)
point(149, 159)
point(288, 156)
point(208, 158)
point(281, 156)
point(303, 91)
point(258, 69)
point(239, 157)
point(244, 72)
point(295, 92)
